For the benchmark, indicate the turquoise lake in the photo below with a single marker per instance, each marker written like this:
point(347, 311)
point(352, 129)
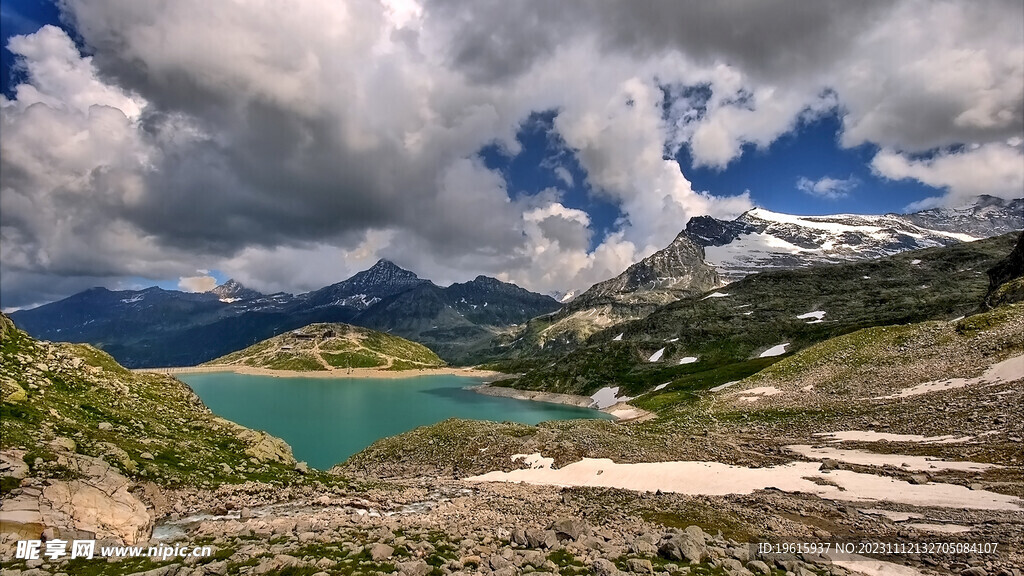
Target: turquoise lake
point(327, 420)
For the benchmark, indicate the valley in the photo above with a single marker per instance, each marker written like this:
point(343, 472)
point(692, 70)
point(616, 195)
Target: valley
point(891, 414)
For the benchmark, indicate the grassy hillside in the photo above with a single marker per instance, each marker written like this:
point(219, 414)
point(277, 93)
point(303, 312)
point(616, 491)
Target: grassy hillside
point(319, 347)
point(728, 330)
point(833, 385)
point(65, 400)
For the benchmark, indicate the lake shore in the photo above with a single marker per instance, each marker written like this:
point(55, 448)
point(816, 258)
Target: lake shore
point(621, 411)
point(338, 373)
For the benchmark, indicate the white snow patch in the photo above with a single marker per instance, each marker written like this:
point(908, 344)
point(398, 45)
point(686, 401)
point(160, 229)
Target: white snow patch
point(958, 318)
point(817, 315)
point(721, 387)
point(229, 300)
point(715, 295)
point(625, 412)
point(535, 461)
point(661, 386)
point(619, 337)
point(774, 351)
point(656, 356)
point(672, 340)
point(717, 479)
point(864, 458)
point(608, 396)
point(915, 262)
point(754, 394)
point(941, 528)
point(857, 564)
point(1006, 371)
point(870, 436)
point(688, 360)
point(135, 298)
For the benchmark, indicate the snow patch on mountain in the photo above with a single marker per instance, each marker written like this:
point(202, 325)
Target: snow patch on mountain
point(774, 351)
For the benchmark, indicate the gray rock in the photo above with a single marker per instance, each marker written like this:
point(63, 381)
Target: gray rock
point(975, 571)
point(497, 562)
point(414, 568)
point(569, 528)
point(686, 546)
point(758, 567)
point(919, 479)
point(534, 558)
point(301, 468)
point(541, 538)
point(643, 548)
point(640, 566)
point(603, 567)
point(380, 551)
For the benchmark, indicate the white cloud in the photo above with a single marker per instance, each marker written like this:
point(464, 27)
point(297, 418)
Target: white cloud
point(994, 169)
point(197, 283)
point(827, 187)
point(563, 174)
point(289, 145)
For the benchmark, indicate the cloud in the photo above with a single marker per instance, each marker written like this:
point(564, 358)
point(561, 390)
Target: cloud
point(289, 145)
point(994, 169)
point(197, 283)
point(827, 187)
point(563, 174)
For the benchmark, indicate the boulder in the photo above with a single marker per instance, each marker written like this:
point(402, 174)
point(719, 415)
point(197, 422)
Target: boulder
point(541, 538)
point(97, 503)
point(640, 566)
point(569, 528)
point(414, 568)
point(758, 567)
point(685, 546)
point(379, 551)
point(604, 567)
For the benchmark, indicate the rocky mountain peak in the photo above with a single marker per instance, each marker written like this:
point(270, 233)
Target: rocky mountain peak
point(668, 274)
point(233, 289)
point(384, 273)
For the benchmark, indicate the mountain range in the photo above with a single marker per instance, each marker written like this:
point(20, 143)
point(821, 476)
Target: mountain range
point(157, 327)
point(760, 239)
point(486, 319)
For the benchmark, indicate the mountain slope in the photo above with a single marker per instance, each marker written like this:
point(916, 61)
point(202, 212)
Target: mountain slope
point(761, 240)
point(457, 320)
point(745, 326)
point(675, 272)
point(366, 288)
point(318, 347)
point(84, 429)
point(233, 290)
point(155, 327)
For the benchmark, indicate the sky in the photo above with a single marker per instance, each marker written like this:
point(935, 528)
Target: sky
point(550, 144)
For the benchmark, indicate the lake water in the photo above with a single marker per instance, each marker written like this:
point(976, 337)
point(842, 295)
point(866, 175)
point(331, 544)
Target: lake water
point(327, 420)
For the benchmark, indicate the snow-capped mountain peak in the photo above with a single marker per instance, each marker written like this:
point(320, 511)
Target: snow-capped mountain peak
point(761, 239)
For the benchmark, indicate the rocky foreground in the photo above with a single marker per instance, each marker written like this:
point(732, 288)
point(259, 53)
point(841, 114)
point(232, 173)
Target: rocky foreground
point(93, 451)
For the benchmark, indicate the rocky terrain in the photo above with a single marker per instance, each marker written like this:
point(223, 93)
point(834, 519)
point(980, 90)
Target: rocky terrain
point(675, 272)
point(320, 347)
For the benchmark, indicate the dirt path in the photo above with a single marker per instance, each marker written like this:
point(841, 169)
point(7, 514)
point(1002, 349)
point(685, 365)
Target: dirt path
point(316, 354)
